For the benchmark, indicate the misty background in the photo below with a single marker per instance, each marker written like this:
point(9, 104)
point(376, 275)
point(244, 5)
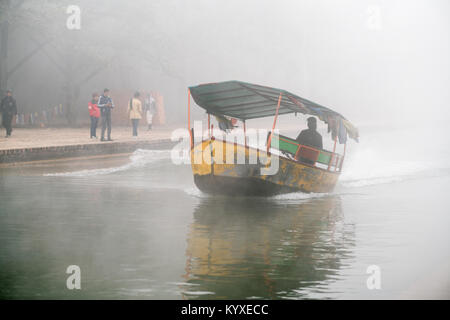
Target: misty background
point(384, 65)
point(379, 62)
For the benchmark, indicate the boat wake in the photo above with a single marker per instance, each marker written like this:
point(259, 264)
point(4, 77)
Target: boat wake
point(300, 196)
point(389, 173)
point(390, 157)
point(138, 159)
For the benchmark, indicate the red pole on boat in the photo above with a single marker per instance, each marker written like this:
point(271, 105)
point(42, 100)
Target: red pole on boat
point(343, 157)
point(189, 116)
point(274, 123)
point(209, 125)
point(333, 154)
point(245, 135)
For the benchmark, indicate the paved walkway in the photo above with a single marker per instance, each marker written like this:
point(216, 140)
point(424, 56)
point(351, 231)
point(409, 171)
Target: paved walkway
point(50, 143)
point(50, 137)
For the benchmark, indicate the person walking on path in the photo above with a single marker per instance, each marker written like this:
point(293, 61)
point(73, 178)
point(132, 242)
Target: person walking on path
point(149, 110)
point(8, 108)
point(105, 104)
point(94, 113)
point(135, 112)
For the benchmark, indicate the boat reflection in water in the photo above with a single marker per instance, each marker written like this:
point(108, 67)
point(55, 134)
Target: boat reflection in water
point(272, 248)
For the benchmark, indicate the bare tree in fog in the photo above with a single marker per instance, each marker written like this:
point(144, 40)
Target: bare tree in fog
point(78, 56)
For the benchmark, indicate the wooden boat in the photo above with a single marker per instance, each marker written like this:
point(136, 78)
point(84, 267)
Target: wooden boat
point(299, 167)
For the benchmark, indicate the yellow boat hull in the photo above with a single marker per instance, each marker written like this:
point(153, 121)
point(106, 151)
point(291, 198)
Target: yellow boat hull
point(216, 171)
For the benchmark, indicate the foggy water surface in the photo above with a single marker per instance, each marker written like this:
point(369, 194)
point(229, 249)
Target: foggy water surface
point(139, 229)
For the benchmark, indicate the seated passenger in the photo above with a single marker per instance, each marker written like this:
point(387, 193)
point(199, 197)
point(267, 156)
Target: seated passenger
point(310, 137)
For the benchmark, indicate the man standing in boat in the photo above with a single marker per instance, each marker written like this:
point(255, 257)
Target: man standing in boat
point(310, 137)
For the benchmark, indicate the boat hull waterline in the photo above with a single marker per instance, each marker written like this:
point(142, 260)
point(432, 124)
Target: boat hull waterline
point(231, 178)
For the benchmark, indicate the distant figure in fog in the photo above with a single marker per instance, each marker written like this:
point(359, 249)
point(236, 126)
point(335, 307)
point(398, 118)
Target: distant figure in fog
point(105, 104)
point(8, 108)
point(94, 113)
point(135, 112)
point(149, 110)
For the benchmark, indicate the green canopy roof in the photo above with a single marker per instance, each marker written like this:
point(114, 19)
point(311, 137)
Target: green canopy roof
point(245, 101)
point(249, 101)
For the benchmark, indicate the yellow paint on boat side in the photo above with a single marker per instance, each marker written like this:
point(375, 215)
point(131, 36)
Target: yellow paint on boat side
point(290, 173)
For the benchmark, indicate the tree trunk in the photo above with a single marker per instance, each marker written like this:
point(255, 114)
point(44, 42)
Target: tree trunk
point(69, 101)
point(4, 34)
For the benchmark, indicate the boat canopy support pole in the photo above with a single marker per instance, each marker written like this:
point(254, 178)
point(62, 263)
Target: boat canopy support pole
point(209, 126)
point(343, 157)
point(189, 118)
point(274, 123)
point(245, 134)
point(333, 154)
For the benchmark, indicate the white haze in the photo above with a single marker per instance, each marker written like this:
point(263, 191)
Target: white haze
point(377, 62)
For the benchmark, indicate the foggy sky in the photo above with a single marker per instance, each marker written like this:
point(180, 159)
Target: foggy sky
point(373, 61)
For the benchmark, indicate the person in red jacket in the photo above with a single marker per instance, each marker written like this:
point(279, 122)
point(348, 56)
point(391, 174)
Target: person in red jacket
point(94, 112)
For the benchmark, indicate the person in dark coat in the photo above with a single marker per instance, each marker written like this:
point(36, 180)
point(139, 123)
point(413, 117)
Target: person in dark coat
point(310, 137)
point(105, 104)
point(8, 108)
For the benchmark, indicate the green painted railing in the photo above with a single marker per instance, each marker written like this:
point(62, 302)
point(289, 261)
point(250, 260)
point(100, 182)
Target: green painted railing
point(290, 146)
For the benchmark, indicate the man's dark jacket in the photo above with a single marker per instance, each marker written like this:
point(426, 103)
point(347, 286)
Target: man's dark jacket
point(102, 102)
point(8, 107)
point(311, 138)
